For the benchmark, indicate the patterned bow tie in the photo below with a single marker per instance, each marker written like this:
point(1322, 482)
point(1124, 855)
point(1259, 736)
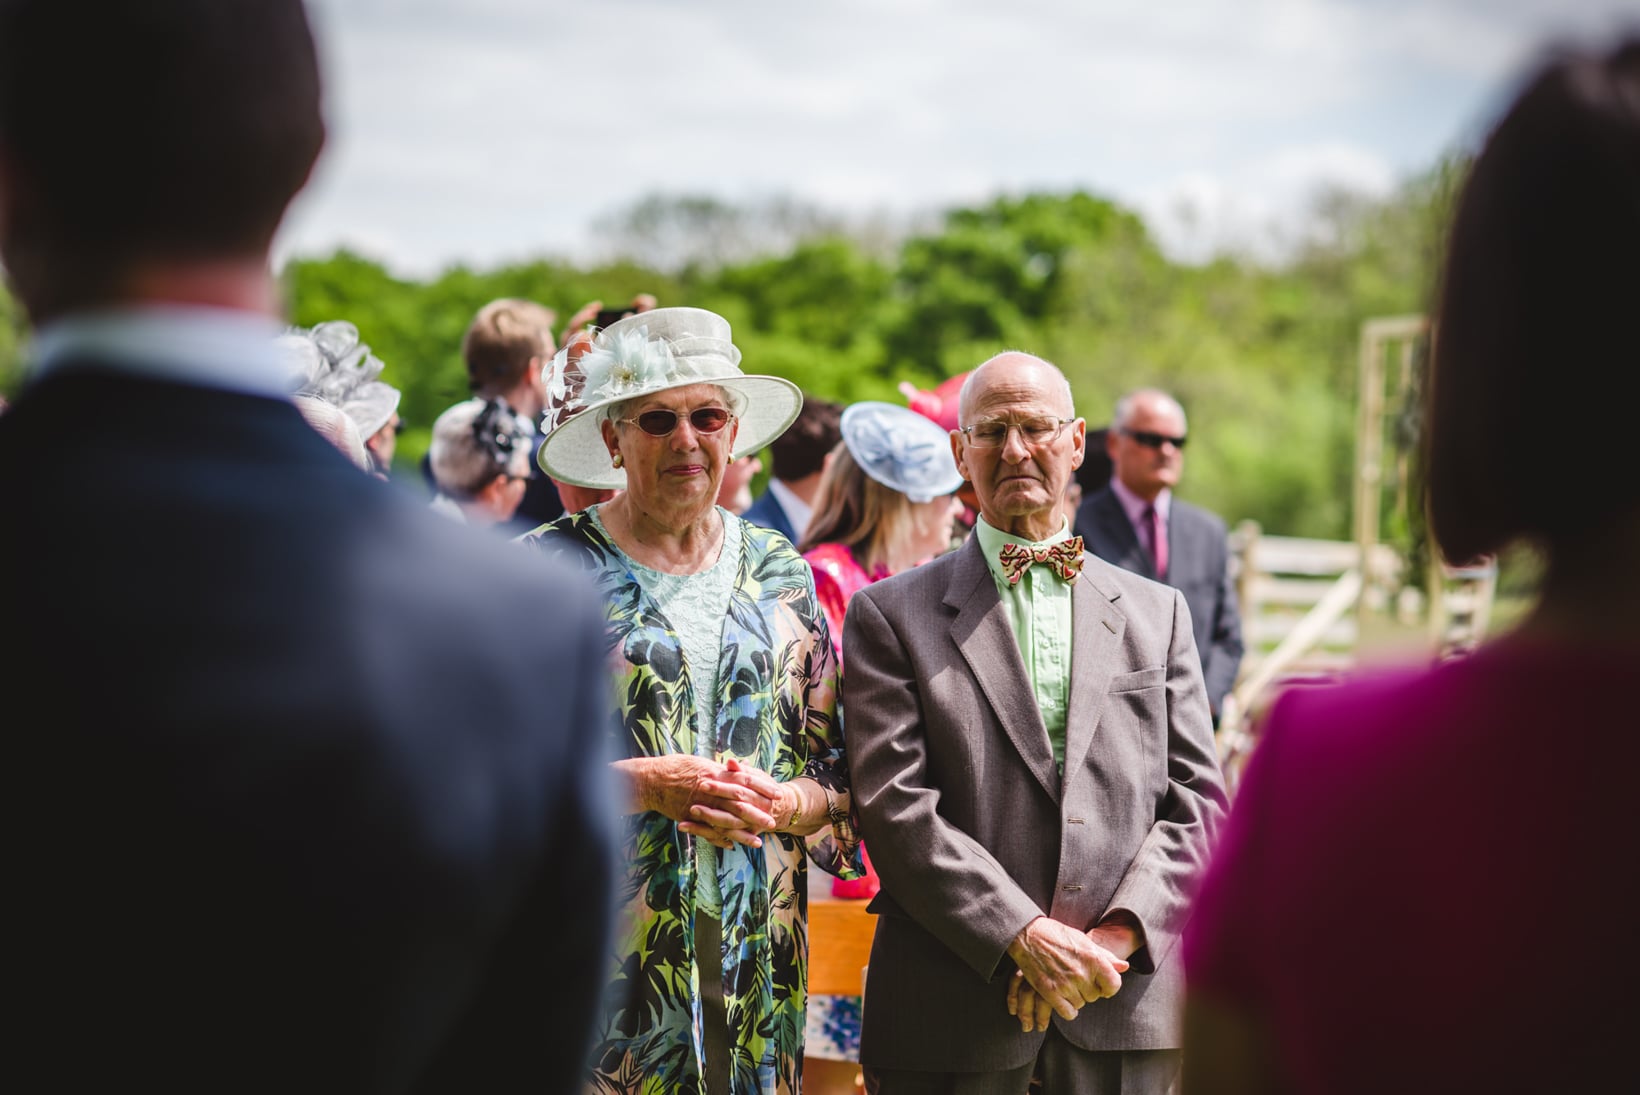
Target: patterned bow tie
point(1063, 558)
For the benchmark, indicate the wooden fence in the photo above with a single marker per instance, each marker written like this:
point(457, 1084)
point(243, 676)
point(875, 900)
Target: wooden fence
point(1302, 606)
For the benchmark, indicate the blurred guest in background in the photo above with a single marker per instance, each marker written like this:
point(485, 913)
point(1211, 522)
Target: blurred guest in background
point(1092, 476)
point(506, 348)
point(726, 689)
point(1137, 523)
point(593, 316)
point(1467, 808)
point(307, 768)
point(307, 364)
point(939, 405)
point(735, 492)
point(382, 442)
point(799, 457)
point(480, 456)
point(334, 426)
point(338, 368)
point(885, 504)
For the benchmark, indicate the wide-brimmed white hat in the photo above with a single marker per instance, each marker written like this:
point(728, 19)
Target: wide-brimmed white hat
point(640, 355)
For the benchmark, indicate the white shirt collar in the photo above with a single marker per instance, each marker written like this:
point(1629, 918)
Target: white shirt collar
point(798, 512)
point(207, 347)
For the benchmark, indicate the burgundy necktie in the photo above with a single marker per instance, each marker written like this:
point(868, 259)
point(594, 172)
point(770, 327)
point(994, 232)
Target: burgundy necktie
point(1158, 541)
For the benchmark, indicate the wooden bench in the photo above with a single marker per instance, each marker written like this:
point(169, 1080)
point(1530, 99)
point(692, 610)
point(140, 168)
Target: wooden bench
point(840, 934)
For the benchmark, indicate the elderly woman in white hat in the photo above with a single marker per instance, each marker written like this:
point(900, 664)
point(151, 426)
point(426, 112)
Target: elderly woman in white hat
point(725, 683)
point(886, 503)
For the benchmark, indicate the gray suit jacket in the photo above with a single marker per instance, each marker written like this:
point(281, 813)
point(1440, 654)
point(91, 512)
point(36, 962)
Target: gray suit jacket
point(1198, 566)
point(973, 831)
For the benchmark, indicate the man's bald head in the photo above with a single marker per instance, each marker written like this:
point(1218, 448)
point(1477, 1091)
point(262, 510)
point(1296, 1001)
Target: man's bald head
point(1011, 368)
point(1031, 444)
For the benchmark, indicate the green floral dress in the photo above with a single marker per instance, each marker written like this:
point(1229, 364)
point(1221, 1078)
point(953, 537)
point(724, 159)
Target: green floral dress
point(777, 710)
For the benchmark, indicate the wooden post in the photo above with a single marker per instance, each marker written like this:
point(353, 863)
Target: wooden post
point(1369, 450)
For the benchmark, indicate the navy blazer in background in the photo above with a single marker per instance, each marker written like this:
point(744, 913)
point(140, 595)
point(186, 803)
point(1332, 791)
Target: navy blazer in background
point(308, 783)
point(1198, 565)
point(768, 512)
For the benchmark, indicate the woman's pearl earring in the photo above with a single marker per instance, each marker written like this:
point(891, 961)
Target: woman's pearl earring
point(617, 460)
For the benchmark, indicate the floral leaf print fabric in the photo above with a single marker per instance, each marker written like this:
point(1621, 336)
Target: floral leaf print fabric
point(776, 708)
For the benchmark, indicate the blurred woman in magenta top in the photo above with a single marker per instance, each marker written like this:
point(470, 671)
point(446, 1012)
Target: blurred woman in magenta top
point(1428, 880)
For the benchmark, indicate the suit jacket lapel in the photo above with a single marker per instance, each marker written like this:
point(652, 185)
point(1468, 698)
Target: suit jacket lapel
point(1096, 654)
point(985, 637)
point(1115, 540)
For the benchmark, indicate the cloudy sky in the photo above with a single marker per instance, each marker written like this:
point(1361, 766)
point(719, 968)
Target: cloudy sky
point(488, 131)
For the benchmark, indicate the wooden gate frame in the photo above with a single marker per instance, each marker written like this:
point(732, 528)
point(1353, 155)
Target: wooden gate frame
point(1458, 600)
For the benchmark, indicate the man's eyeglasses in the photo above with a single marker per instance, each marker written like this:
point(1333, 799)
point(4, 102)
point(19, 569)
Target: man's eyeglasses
point(660, 423)
point(993, 432)
point(1155, 440)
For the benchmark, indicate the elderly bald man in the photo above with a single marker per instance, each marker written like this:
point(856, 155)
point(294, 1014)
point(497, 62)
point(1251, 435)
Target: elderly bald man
point(1035, 775)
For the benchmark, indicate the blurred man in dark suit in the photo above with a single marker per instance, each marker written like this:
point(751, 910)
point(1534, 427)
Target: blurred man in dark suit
point(309, 798)
point(1136, 523)
point(799, 457)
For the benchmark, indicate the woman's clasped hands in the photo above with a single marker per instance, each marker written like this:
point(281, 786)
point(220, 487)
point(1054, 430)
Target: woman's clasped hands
point(724, 803)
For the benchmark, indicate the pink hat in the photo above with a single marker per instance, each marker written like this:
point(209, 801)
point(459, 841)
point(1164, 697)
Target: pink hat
point(940, 404)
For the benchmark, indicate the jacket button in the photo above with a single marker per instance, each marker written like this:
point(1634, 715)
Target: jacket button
point(1074, 820)
point(1071, 889)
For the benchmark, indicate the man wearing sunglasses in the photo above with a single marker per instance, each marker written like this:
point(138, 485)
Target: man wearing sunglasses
point(1136, 523)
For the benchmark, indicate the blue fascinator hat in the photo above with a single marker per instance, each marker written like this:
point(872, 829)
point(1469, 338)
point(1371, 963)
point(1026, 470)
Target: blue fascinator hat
point(901, 449)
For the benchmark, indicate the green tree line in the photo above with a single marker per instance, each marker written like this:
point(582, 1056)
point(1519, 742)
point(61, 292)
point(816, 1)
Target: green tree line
point(1262, 355)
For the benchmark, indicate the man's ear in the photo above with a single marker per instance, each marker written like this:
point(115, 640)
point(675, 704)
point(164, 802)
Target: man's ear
point(957, 454)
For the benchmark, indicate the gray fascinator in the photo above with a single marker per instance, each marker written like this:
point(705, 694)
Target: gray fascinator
point(901, 449)
point(331, 363)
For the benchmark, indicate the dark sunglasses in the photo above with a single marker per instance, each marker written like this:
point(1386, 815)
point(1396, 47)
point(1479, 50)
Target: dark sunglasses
point(659, 423)
point(1155, 440)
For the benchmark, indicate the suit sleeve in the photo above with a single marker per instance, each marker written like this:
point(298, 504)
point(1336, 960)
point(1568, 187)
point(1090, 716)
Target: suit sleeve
point(1222, 658)
point(939, 875)
point(1160, 882)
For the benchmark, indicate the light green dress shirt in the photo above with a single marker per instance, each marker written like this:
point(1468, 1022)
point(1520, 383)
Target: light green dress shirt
point(1039, 608)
